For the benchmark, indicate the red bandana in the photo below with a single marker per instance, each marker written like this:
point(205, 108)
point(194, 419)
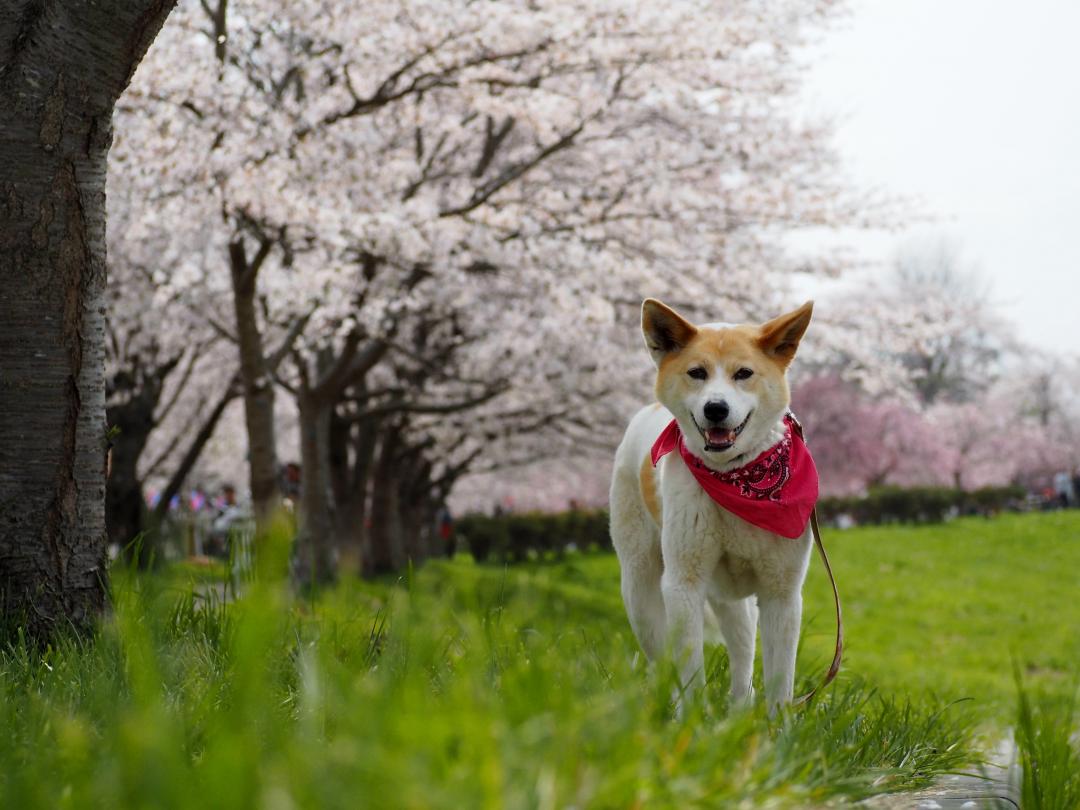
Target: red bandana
point(776, 491)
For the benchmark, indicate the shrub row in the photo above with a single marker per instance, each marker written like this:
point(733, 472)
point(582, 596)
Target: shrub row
point(512, 538)
point(920, 504)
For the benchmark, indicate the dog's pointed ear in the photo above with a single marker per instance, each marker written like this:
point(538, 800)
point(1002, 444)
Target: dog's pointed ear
point(780, 337)
point(665, 330)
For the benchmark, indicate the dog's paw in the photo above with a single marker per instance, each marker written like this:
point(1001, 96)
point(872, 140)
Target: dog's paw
point(742, 700)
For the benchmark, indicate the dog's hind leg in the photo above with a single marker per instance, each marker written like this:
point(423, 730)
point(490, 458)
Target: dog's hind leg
point(637, 543)
point(738, 623)
point(644, 601)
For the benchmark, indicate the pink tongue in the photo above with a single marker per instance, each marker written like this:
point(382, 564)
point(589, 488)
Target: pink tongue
point(720, 435)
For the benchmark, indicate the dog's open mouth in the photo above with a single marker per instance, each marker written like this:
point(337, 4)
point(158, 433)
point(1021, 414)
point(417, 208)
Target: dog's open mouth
point(718, 439)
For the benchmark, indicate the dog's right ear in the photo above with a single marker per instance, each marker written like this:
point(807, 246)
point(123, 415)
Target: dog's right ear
point(665, 330)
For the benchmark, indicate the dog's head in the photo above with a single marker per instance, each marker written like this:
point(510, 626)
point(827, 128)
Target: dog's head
point(726, 385)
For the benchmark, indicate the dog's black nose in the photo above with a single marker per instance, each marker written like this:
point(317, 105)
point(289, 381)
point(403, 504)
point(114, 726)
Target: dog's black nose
point(716, 411)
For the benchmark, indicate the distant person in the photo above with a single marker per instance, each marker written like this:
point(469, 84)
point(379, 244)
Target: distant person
point(228, 513)
point(290, 480)
point(198, 500)
point(1063, 489)
point(445, 522)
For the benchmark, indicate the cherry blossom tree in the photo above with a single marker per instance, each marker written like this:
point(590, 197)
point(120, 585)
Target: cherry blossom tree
point(859, 441)
point(1020, 430)
point(934, 322)
point(455, 210)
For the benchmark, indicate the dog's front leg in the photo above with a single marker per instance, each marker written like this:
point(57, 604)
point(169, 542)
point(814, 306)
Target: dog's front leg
point(689, 559)
point(738, 623)
point(684, 603)
point(781, 616)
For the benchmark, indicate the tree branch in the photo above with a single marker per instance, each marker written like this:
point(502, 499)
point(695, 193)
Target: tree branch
point(511, 173)
point(403, 406)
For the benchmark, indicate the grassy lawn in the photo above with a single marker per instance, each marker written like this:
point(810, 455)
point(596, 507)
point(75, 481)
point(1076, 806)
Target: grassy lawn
point(470, 686)
point(947, 609)
point(944, 610)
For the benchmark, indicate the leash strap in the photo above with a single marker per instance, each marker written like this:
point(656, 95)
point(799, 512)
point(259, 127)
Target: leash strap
point(838, 654)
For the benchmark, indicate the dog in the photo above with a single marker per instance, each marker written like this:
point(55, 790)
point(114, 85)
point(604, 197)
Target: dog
point(723, 405)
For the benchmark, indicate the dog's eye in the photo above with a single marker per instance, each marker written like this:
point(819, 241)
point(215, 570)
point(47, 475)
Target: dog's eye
point(744, 374)
point(698, 373)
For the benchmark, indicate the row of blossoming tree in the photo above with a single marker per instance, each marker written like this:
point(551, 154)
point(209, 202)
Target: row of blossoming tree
point(408, 242)
point(974, 406)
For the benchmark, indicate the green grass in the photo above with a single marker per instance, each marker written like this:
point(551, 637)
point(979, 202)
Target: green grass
point(469, 686)
point(947, 609)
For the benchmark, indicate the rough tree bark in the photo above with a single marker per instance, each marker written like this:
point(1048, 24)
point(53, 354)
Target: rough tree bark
point(62, 67)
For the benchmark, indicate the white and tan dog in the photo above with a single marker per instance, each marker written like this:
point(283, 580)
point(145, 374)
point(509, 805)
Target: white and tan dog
point(678, 549)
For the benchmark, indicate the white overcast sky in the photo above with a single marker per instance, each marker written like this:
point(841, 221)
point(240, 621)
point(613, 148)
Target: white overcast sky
point(972, 106)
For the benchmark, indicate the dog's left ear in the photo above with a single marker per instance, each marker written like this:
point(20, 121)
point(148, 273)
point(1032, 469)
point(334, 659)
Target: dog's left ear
point(780, 337)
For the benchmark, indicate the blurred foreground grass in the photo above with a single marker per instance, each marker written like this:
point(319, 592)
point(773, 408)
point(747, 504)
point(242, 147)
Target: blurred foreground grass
point(469, 686)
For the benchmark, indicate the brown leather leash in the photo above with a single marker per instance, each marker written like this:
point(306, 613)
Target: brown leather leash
point(839, 653)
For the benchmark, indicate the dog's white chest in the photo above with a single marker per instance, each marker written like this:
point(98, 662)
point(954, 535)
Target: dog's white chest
point(750, 558)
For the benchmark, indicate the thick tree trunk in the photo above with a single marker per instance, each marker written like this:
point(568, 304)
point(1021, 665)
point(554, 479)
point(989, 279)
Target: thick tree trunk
point(62, 67)
point(367, 435)
point(125, 509)
point(428, 540)
point(415, 518)
point(387, 550)
point(257, 386)
point(341, 486)
point(352, 494)
point(417, 523)
point(315, 551)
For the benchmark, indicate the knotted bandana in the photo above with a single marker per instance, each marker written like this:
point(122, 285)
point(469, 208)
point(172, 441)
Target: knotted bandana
point(776, 491)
